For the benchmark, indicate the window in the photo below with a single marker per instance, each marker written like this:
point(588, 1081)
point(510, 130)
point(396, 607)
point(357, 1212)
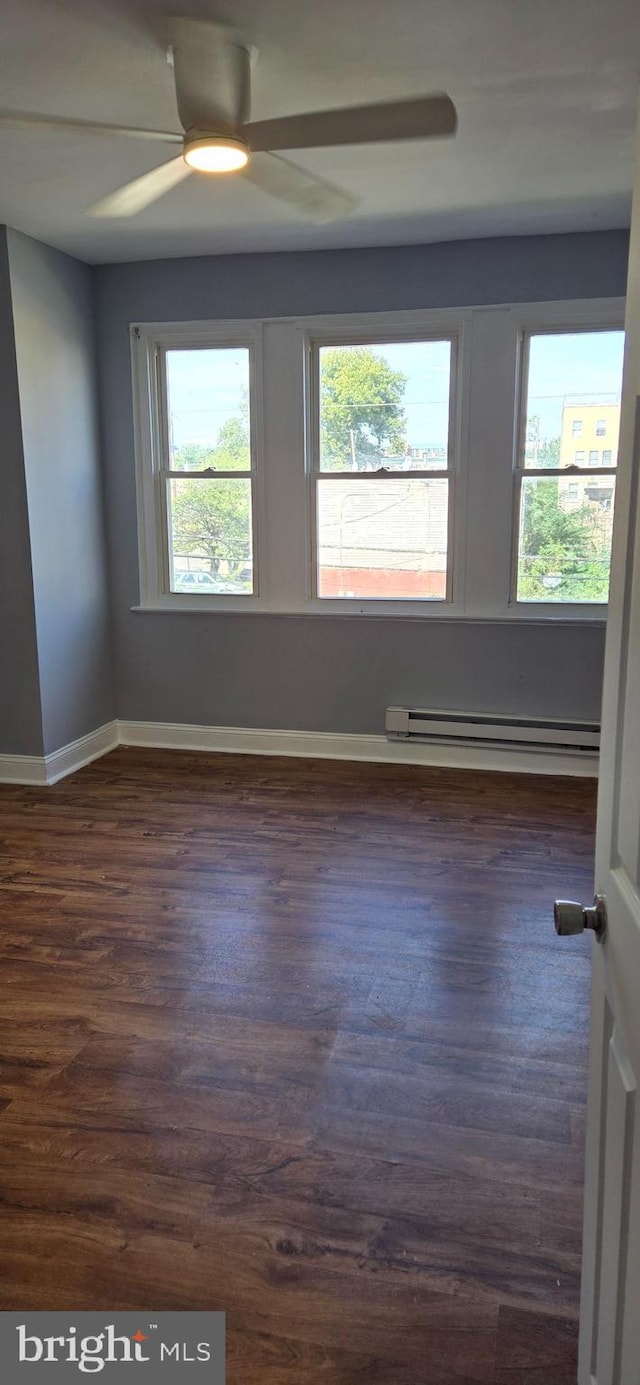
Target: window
point(208, 475)
point(381, 469)
point(197, 465)
point(601, 427)
point(563, 548)
point(363, 464)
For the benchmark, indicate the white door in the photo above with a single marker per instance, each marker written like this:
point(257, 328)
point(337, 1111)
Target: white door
point(610, 1310)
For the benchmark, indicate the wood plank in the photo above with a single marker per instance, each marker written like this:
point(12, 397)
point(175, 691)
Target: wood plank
point(296, 1039)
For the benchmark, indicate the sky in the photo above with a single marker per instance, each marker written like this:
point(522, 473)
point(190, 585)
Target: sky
point(205, 389)
point(587, 364)
point(206, 386)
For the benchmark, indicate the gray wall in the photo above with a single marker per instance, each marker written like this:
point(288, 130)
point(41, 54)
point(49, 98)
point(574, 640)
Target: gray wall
point(323, 672)
point(54, 328)
point(20, 721)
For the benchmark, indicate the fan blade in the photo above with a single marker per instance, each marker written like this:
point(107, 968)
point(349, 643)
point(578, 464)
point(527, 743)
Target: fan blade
point(316, 198)
point(212, 74)
point(421, 118)
point(90, 127)
point(135, 196)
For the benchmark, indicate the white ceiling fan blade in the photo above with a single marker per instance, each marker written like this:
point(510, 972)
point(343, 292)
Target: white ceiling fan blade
point(309, 194)
point(212, 75)
point(419, 118)
point(27, 119)
point(135, 196)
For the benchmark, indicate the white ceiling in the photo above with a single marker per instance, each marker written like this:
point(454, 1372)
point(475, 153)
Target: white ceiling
point(545, 90)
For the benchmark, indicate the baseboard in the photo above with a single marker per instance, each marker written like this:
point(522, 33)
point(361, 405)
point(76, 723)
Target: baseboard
point(81, 752)
point(43, 770)
point(323, 745)
point(326, 745)
point(22, 769)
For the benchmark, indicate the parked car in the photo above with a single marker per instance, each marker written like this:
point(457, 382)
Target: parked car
point(205, 584)
point(194, 582)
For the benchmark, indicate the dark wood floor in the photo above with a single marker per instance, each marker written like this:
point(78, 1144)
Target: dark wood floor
point(295, 1039)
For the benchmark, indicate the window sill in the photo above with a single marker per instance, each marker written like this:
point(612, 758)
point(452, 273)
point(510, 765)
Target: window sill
point(377, 611)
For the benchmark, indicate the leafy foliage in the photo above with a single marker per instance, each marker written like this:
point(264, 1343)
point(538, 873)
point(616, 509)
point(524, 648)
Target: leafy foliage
point(361, 410)
point(563, 554)
point(547, 450)
point(549, 453)
point(211, 518)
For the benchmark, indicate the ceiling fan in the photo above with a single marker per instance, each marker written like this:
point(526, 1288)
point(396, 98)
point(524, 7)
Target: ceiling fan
point(212, 72)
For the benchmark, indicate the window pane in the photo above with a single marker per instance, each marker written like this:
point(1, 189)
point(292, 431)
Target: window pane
point(208, 409)
point(210, 544)
point(385, 405)
point(573, 389)
point(565, 538)
point(382, 539)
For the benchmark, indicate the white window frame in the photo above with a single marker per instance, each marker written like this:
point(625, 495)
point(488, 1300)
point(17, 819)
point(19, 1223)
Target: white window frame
point(487, 417)
point(150, 344)
point(561, 320)
point(403, 330)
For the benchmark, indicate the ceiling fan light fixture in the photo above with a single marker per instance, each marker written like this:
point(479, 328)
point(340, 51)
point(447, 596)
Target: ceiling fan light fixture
point(215, 153)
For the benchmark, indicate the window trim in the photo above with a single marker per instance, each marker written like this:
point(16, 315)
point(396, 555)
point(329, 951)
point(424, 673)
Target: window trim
point(487, 422)
point(150, 344)
point(313, 343)
point(597, 318)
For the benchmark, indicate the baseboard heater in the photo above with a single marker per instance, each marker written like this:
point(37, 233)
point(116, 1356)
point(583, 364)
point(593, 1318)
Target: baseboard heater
point(484, 729)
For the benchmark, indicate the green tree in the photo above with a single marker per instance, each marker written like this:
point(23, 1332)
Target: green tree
point(191, 457)
point(233, 452)
point(563, 554)
point(549, 453)
point(211, 518)
point(361, 413)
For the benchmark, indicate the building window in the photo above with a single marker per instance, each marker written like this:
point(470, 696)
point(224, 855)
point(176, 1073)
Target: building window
point(381, 468)
point(606, 457)
point(562, 551)
point(576, 427)
point(601, 427)
point(197, 466)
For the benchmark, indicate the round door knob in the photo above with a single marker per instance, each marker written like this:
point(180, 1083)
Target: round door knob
point(571, 917)
point(568, 917)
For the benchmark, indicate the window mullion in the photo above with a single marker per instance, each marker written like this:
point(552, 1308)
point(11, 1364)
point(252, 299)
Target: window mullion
point(492, 391)
point(285, 498)
point(163, 461)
